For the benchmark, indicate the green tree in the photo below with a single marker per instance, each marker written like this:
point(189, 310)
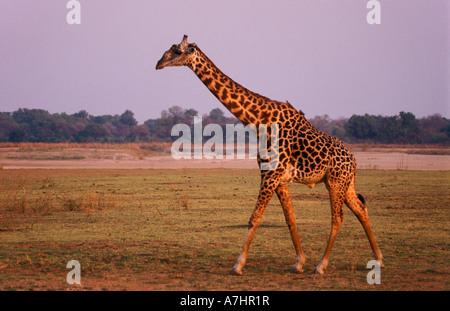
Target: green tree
point(434, 129)
point(140, 133)
point(161, 128)
point(217, 116)
point(7, 125)
point(17, 135)
point(92, 132)
point(128, 118)
point(410, 127)
point(361, 127)
point(389, 129)
point(82, 114)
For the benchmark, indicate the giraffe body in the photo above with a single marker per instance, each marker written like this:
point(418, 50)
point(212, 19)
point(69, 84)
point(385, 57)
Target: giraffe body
point(306, 155)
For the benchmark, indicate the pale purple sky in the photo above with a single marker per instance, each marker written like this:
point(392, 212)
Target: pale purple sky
point(320, 55)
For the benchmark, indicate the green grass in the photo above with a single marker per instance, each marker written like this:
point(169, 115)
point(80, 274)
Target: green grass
point(183, 230)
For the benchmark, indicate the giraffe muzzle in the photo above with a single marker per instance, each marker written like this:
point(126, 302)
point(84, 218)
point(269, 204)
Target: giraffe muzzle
point(160, 64)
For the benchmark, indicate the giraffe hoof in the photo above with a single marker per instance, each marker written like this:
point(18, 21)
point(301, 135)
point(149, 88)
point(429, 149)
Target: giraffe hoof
point(297, 270)
point(318, 270)
point(235, 272)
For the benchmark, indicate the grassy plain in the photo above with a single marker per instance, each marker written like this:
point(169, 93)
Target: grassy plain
point(183, 230)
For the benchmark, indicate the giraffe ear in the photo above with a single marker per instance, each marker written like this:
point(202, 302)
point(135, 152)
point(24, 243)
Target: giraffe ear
point(190, 50)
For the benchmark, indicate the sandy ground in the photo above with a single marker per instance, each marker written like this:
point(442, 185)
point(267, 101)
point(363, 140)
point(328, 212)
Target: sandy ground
point(365, 160)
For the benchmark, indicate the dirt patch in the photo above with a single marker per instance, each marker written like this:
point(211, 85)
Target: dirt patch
point(402, 161)
point(365, 160)
point(310, 196)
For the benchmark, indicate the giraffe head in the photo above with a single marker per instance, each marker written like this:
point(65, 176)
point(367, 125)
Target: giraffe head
point(178, 55)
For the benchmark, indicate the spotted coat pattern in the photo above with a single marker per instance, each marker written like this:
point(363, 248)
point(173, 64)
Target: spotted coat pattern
point(306, 155)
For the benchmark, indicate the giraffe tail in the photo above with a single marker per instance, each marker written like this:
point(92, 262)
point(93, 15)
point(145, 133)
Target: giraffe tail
point(361, 198)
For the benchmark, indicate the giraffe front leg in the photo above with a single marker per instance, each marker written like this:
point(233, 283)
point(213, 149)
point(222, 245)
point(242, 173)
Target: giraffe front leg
point(337, 217)
point(237, 268)
point(288, 209)
point(264, 196)
point(324, 262)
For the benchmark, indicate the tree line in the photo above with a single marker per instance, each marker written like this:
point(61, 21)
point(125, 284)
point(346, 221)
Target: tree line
point(38, 125)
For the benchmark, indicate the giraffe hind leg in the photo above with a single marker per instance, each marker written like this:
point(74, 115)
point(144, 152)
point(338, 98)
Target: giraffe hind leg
point(356, 204)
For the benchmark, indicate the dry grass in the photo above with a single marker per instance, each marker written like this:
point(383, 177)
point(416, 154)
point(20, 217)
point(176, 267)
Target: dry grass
point(183, 229)
point(165, 147)
point(21, 206)
point(143, 148)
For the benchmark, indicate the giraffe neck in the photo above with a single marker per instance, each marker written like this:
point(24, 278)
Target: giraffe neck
point(247, 106)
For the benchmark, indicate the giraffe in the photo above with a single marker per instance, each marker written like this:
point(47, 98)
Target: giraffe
point(306, 155)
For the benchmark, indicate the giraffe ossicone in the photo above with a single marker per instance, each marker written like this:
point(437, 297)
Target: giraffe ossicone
point(305, 154)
